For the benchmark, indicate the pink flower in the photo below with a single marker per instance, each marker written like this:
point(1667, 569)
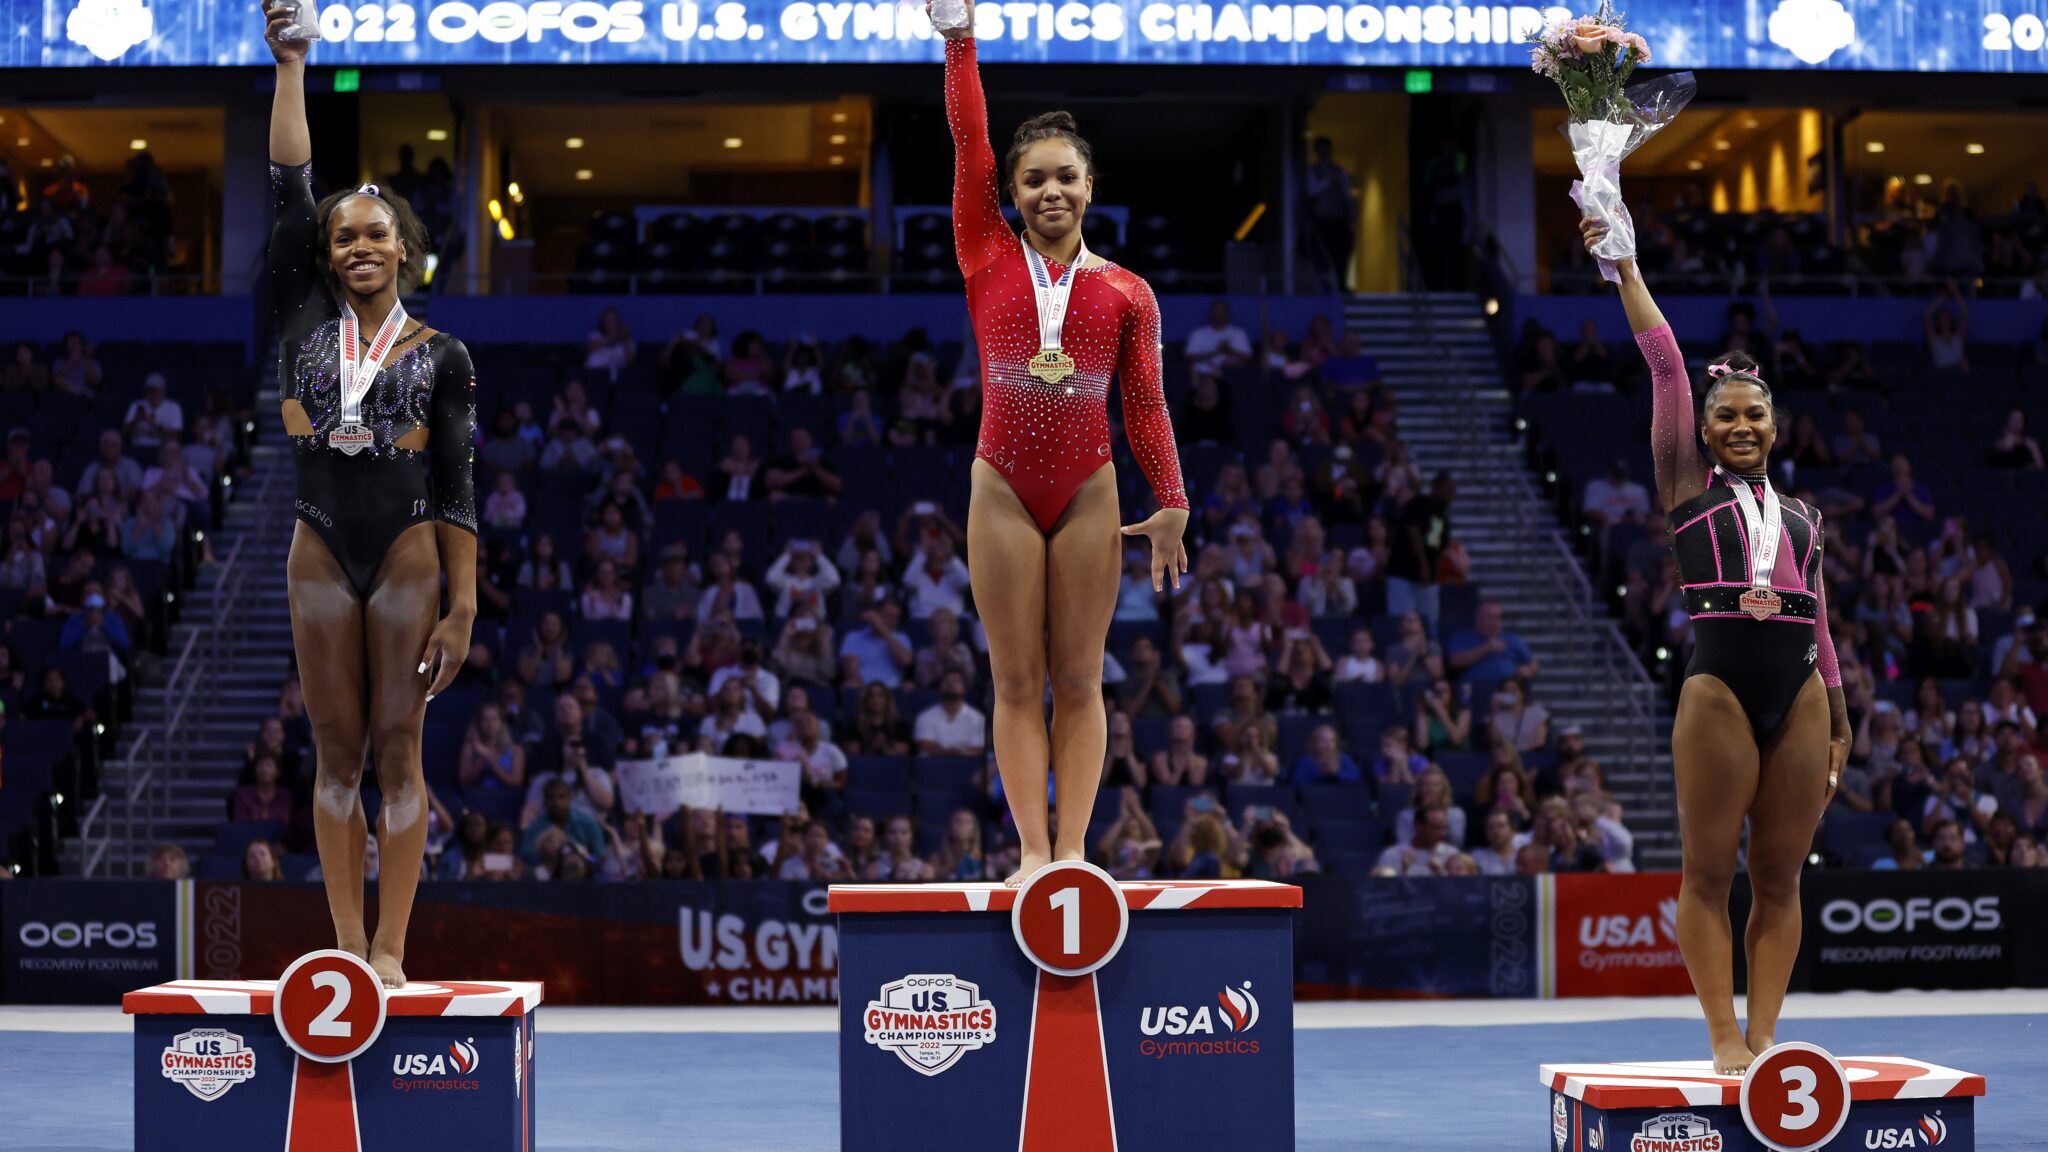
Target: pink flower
point(1638, 47)
point(1591, 36)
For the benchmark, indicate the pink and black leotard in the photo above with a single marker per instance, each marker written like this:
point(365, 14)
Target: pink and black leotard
point(1047, 439)
point(1764, 662)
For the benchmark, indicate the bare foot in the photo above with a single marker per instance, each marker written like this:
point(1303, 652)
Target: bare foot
point(1076, 854)
point(355, 945)
point(387, 966)
point(1027, 866)
point(1761, 1043)
point(1732, 1057)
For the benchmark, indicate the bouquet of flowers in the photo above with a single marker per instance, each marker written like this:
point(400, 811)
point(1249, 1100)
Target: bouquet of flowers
point(1591, 58)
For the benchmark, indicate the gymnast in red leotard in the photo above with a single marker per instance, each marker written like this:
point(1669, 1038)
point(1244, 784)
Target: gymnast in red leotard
point(1044, 548)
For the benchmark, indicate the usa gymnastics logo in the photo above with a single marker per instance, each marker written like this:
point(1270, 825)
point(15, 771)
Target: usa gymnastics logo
point(930, 1021)
point(208, 1062)
point(1930, 1133)
point(1235, 1013)
point(445, 1071)
point(1676, 1132)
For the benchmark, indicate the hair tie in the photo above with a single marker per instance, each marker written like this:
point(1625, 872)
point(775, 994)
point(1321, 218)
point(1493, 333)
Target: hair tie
point(1714, 371)
point(370, 190)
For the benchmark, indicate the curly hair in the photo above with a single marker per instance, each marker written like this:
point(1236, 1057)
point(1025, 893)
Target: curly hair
point(1045, 126)
point(410, 230)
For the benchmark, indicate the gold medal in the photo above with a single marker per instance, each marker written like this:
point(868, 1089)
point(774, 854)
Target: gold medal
point(1052, 365)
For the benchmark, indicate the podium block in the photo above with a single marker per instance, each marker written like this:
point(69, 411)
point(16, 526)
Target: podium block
point(451, 1067)
point(1682, 1106)
point(1176, 1032)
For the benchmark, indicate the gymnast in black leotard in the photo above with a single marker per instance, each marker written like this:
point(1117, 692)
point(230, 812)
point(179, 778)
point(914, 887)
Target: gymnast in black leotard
point(1762, 729)
point(381, 412)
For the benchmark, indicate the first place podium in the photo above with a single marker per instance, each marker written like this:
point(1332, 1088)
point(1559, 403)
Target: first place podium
point(1075, 1014)
point(430, 1065)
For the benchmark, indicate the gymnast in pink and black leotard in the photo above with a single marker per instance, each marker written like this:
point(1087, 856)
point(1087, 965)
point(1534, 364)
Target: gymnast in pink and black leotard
point(1046, 439)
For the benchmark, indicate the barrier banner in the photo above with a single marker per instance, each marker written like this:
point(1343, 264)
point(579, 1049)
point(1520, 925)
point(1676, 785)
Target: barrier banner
point(1879, 931)
point(754, 787)
point(1367, 938)
point(85, 941)
point(658, 942)
point(1618, 935)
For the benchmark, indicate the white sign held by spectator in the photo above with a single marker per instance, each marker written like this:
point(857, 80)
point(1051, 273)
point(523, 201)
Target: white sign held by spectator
point(753, 787)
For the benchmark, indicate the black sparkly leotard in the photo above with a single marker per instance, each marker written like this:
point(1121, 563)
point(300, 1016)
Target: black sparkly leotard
point(359, 504)
point(1763, 662)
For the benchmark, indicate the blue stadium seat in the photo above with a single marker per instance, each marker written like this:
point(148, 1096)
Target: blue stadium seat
point(1856, 837)
point(947, 773)
point(936, 806)
point(1280, 797)
point(230, 840)
point(878, 773)
point(1348, 836)
point(1465, 770)
point(879, 803)
point(1150, 735)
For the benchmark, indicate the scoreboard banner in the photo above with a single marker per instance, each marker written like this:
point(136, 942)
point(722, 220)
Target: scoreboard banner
point(1999, 36)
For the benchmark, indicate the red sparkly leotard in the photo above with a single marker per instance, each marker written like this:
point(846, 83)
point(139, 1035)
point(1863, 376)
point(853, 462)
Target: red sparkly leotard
point(1047, 439)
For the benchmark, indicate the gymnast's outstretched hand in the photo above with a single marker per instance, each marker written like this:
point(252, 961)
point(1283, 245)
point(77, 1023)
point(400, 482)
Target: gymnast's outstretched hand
point(447, 651)
point(1169, 555)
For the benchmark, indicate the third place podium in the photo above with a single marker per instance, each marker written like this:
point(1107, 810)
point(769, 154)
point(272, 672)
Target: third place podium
point(1073, 1015)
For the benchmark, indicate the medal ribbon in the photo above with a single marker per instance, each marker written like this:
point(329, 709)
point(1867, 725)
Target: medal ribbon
point(1764, 527)
point(357, 378)
point(1052, 298)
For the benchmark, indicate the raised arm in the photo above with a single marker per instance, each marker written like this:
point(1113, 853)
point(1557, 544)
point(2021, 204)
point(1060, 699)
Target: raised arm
point(293, 252)
point(1681, 474)
point(979, 230)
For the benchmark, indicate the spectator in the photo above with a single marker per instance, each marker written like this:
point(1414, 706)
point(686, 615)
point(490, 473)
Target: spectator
point(506, 508)
point(1903, 848)
point(1358, 665)
point(863, 847)
point(610, 346)
point(572, 406)
point(1902, 488)
point(1956, 797)
point(960, 854)
point(1516, 721)
point(1151, 688)
point(1488, 653)
point(1209, 414)
point(2014, 448)
point(543, 569)
point(1178, 764)
point(1332, 209)
point(262, 799)
point(741, 469)
point(77, 373)
point(1350, 368)
point(877, 652)
point(1122, 767)
point(804, 650)
point(816, 857)
point(1599, 824)
point(1136, 600)
point(899, 863)
point(1328, 590)
point(558, 812)
point(1443, 721)
point(1497, 856)
point(952, 727)
point(95, 630)
point(2000, 776)
point(801, 577)
point(166, 861)
point(750, 371)
point(674, 593)
point(1948, 841)
point(1247, 705)
point(1397, 764)
point(156, 417)
point(1130, 849)
point(824, 765)
point(1616, 497)
point(946, 652)
point(1426, 853)
point(936, 580)
point(1250, 760)
point(1575, 771)
point(1990, 578)
point(1559, 835)
point(1303, 685)
point(1421, 533)
point(1203, 848)
point(1432, 794)
point(505, 450)
point(1506, 787)
point(803, 472)
point(590, 787)
point(1325, 762)
point(1219, 344)
point(763, 691)
point(677, 484)
point(729, 716)
point(878, 730)
point(1948, 332)
point(259, 862)
point(1266, 848)
point(112, 458)
point(568, 449)
point(490, 757)
point(25, 374)
point(1855, 444)
point(612, 539)
point(2030, 807)
point(727, 594)
point(1414, 661)
point(859, 424)
point(1589, 365)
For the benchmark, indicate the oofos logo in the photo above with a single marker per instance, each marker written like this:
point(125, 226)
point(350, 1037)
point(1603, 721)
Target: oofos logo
point(1948, 914)
point(92, 933)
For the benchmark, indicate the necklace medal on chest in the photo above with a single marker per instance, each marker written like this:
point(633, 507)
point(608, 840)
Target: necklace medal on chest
point(1051, 364)
point(358, 371)
point(1764, 526)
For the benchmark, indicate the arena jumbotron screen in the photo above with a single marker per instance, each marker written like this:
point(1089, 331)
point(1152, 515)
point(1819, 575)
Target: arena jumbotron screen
point(1871, 35)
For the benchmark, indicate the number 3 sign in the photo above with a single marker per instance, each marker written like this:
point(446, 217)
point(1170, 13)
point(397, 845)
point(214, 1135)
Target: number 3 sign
point(329, 1006)
point(1795, 1097)
point(1070, 918)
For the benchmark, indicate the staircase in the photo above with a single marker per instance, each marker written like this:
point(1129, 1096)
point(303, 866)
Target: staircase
point(1437, 357)
point(228, 657)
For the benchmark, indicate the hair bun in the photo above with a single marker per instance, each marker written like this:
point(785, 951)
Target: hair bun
point(1741, 363)
point(1047, 122)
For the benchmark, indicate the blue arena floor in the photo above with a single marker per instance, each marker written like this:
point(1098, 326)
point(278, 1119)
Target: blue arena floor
point(1405, 1089)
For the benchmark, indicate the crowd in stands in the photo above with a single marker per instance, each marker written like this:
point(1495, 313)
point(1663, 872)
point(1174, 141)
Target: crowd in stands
point(1936, 559)
point(118, 459)
point(65, 240)
point(1914, 244)
point(710, 545)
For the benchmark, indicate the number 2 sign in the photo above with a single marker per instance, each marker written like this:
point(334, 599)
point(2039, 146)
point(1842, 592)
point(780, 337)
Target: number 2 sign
point(329, 1006)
